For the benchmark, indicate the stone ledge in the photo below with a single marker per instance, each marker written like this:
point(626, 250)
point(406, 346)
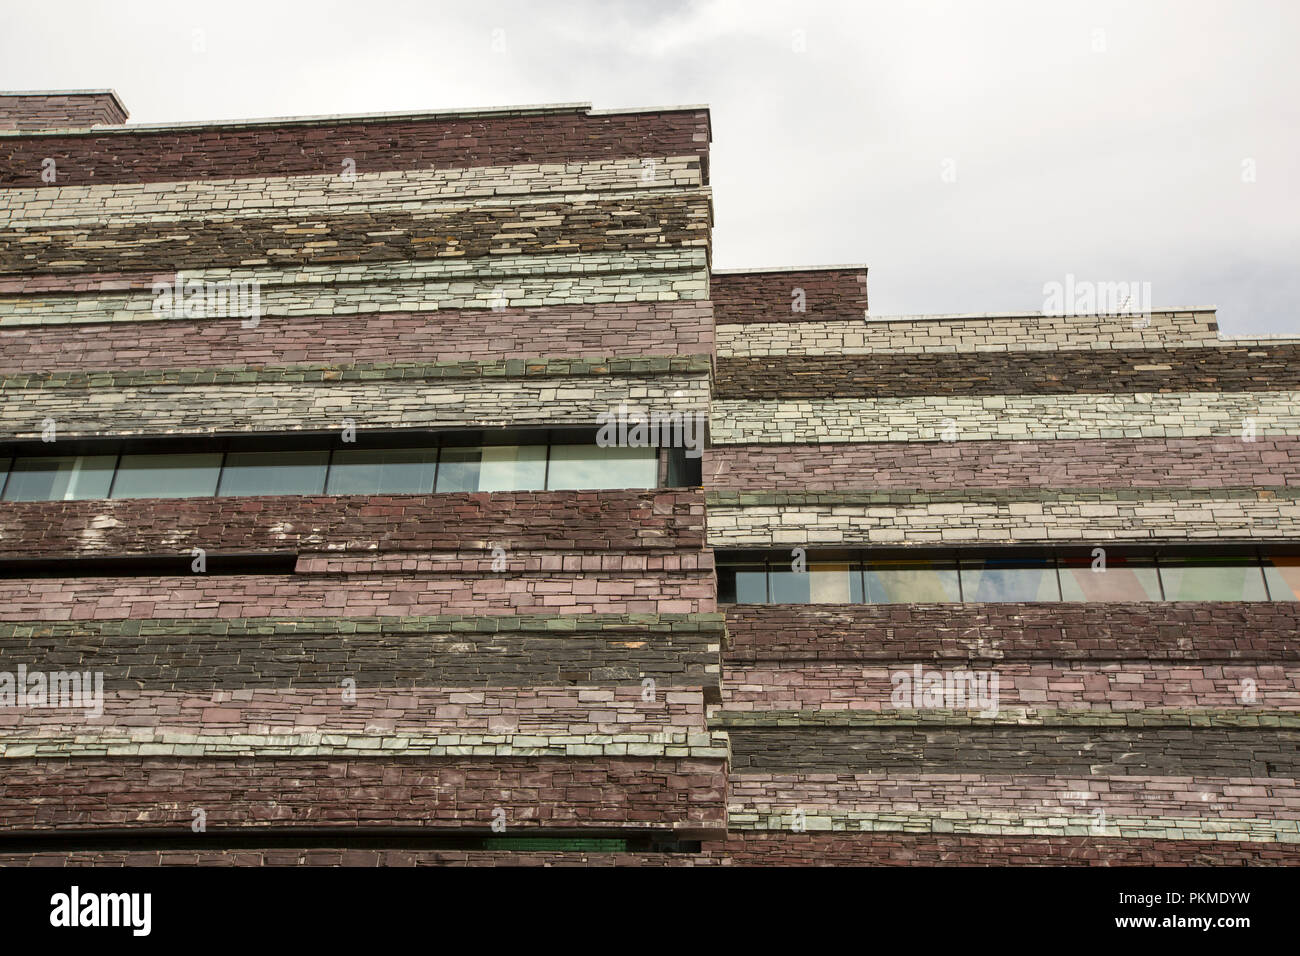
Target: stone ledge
point(1009, 717)
point(369, 372)
point(451, 623)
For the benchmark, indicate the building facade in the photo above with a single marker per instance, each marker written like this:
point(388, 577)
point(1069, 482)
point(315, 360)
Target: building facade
point(408, 488)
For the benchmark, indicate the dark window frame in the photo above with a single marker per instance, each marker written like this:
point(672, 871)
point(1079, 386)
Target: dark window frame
point(861, 559)
point(226, 445)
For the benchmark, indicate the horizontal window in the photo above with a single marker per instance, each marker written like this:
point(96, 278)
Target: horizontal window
point(167, 476)
point(819, 583)
point(274, 473)
point(588, 466)
point(1115, 579)
point(392, 471)
point(465, 462)
point(1213, 579)
point(1015, 577)
point(1282, 576)
point(742, 584)
point(60, 479)
point(911, 582)
point(493, 468)
point(1014, 580)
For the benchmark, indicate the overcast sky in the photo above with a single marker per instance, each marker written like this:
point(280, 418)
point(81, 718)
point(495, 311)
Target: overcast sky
point(967, 152)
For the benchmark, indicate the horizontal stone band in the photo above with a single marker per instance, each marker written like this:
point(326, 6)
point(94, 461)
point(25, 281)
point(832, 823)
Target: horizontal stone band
point(324, 193)
point(1222, 369)
point(1007, 417)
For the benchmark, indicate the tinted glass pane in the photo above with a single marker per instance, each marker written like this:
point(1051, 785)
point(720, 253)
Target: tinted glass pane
point(682, 471)
point(493, 468)
point(589, 466)
point(911, 582)
point(458, 469)
point(742, 584)
point(1283, 574)
point(1121, 580)
point(393, 471)
point(60, 479)
point(274, 473)
point(1009, 579)
point(4, 471)
point(822, 583)
point(1212, 579)
point(167, 476)
point(512, 468)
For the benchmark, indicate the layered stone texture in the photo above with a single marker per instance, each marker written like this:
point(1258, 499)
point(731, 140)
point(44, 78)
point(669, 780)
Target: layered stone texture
point(1025, 332)
point(184, 663)
point(546, 678)
point(1224, 462)
point(151, 793)
point(279, 399)
point(1159, 733)
point(62, 110)
point(962, 418)
point(513, 665)
point(378, 143)
point(1124, 723)
point(1102, 371)
point(780, 296)
point(1019, 516)
point(448, 335)
point(762, 848)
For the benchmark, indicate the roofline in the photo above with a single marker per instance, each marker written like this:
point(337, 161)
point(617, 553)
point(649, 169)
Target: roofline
point(105, 92)
point(536, 109)
point(112, 93)
point(950, 316)
point(851, 267)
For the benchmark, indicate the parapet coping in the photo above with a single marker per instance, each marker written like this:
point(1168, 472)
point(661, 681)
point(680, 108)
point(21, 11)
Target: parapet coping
point(105, 92)
point(112, 93)
point(534, 109)
point(834, 268)
point(950, 316)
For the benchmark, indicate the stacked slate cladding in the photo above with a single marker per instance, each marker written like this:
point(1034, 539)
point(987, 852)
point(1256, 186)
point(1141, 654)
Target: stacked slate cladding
point(441, 669)
point(1126, 731)
point(516, 676)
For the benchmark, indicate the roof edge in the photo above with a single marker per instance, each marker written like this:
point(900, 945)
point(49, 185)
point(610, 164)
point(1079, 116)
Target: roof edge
point(850, 267)
point(949, 316)
point(104, 92)
point(535, 109)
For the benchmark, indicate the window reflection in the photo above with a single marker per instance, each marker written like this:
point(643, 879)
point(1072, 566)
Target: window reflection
point(590, 466)
point(382, 471)
point(1282, 573)
point(821, 583)
point(742, 584)
point(274, 473)
point(60, 479)
point(493, 468)
point(1117, 579)
point(995, 580)
point(838, 577)
point(911, 582)
point(1212, 579)
point(497, 466)
point(167, 476)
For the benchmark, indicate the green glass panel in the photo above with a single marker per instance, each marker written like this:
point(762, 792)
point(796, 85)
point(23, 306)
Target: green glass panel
point(274, 473)
point(391, 471)
point(60, 479)
point(167, 476)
